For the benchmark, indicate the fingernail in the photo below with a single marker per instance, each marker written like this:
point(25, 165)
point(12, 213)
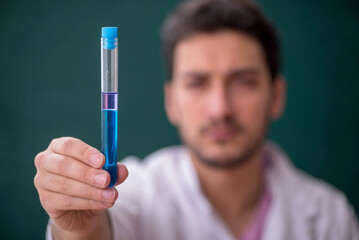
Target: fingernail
point(95, 159)
point(108, 194)
point(100, 179)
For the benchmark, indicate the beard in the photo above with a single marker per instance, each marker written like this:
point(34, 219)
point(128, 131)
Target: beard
point(237, 157)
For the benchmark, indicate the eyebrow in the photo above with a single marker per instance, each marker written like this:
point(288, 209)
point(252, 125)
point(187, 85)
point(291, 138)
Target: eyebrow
point(229, 74)
point(242, 71)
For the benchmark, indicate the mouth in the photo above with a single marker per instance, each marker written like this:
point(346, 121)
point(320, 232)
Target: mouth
point(221, 134)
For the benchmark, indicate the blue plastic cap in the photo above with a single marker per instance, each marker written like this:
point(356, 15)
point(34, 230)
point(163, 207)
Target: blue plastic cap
point(109, 32)
point(109, 37)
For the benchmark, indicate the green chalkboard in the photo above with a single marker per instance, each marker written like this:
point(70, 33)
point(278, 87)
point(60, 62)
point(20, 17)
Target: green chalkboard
point(50, 83)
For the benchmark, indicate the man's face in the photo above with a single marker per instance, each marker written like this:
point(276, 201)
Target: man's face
point(221, 96)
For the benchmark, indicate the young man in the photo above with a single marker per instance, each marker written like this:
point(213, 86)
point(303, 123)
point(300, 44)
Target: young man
point(226, 182)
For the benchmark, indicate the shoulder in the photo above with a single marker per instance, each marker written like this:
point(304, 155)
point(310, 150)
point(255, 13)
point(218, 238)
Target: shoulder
point(312, 199)
point(297, 182)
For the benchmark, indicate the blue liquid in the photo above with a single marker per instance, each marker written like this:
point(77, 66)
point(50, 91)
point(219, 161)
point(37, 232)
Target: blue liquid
point(109, 142)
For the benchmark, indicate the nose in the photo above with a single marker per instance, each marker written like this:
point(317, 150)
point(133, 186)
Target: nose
point(219, 106)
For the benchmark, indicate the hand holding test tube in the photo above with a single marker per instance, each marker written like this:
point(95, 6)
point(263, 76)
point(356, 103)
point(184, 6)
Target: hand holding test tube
point(74, 189)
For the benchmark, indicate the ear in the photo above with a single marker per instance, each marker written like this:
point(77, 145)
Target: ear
point(169, 102)
point(279, 97)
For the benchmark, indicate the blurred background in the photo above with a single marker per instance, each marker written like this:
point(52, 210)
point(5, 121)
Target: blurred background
point(50, 87)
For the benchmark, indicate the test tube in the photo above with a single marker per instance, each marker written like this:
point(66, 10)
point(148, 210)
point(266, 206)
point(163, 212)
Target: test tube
point(109, 109)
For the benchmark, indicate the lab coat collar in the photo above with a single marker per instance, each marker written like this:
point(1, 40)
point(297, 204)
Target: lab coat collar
point(288, 196)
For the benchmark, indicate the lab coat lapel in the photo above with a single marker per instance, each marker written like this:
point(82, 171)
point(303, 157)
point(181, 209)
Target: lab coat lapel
point(290, 216)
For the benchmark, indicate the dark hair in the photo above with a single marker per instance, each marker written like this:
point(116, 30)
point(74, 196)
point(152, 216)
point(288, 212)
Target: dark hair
point(196, 16)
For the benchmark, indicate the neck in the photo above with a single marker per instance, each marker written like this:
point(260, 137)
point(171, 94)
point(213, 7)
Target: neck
point(233, 192)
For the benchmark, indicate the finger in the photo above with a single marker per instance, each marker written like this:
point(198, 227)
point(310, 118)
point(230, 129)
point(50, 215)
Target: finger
point(68, 186)
point(122, 173)
point(59, 201)
point(74, 169)
point(76, 148)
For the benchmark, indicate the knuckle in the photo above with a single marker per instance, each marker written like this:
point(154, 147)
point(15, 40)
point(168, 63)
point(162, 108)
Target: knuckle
point(85, 174)
point(63, 185)
point(68, 203)
point(38, 159)
point(88, 203)
point(92, 204)
point(61, 144)
point(36, 180)
point(85, 150)
point(94, 194)
point(60, 164)
point(54, 142)
point(44, 199)
point(89, 193)
point(66, 142)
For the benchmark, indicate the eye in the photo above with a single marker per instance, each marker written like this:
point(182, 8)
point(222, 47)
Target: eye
point(195, 82)
point(245, 81)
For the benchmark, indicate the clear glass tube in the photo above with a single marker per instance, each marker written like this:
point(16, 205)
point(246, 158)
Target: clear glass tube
point(109, 99)
point(108, 67)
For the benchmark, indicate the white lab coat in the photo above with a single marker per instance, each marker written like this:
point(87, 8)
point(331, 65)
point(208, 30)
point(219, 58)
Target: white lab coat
point(162, 200)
